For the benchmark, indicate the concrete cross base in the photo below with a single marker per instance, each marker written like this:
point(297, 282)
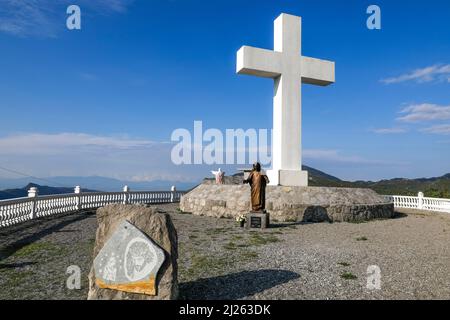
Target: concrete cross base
point(290, 178)
point(257, 220)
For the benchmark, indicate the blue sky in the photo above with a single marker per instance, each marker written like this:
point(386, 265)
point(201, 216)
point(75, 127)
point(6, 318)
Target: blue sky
point(105, 99)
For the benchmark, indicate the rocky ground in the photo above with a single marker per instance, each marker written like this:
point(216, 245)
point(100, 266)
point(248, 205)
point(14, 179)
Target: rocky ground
point(219, 260)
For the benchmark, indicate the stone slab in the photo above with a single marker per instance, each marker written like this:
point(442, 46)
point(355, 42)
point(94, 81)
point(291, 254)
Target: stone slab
point(129, 261)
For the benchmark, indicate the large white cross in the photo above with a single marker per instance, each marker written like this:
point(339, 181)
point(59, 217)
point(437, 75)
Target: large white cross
point(289, 69)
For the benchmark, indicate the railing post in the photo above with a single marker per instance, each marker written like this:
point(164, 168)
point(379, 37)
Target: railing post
point(33, 193)
point(77, 191)
point(126, 195)
point(420, 202)
point(173, 194)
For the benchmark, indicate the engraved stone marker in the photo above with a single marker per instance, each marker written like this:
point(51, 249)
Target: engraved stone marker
point(257, 220)
point(129, 261)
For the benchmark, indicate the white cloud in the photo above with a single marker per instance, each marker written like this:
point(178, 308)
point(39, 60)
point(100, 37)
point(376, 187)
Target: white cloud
point(125, 158)
point(119, 6)
point(424, 112)
point(28, 17)
point(81, 154)
point(438, 129)
point(337, 156)
point(394, 130)
point(43, 17)
point(50, 144)
point(433, 73)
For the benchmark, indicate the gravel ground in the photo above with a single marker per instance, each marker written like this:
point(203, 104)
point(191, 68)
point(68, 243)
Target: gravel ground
point(219, 260)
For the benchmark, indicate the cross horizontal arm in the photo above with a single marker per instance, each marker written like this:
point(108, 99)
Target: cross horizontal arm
point(258, 62)
point(317, 71)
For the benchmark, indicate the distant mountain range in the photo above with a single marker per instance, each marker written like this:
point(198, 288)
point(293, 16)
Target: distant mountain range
point(438, 187)
point(43, 191)
point(95, 183)
point(15, 188)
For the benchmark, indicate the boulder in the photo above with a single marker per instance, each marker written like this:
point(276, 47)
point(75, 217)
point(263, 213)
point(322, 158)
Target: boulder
point(157, 226)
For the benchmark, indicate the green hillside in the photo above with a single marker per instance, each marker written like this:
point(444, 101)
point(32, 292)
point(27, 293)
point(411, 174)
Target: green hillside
point(438, 187)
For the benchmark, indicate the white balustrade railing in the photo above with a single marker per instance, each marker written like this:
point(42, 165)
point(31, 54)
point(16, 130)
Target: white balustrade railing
point(18, 210)
point(420, 202)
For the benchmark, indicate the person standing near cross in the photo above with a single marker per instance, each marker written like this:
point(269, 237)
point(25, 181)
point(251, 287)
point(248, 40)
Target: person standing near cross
point(289, 69)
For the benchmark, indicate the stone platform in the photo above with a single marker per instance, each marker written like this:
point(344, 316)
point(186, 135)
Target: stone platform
point(288, 204)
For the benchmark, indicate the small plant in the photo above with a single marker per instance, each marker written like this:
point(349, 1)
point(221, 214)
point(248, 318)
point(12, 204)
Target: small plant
point(348, 276)
point(230, 246)
point(361, 239)
point(277, 232)
point(259, 239)
point(181, 211)
point(40, 248)
point(249, 255)
point(344, 264)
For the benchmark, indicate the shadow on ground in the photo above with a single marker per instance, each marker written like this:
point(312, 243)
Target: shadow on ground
point(398, 215)
point(312, 216)
point(278, 225)
point(236, 285)
point(16, 265)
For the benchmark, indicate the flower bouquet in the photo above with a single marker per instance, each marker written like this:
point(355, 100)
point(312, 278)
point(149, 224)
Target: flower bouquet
point(241, 219)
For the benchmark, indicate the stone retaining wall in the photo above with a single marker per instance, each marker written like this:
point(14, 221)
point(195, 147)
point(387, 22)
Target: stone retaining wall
point(307, 204)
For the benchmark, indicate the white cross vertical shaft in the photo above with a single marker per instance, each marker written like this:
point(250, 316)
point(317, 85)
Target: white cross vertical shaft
point(286, 152)
point(289, 69)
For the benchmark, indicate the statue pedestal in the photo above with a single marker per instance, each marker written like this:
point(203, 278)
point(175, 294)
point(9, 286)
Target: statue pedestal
point(257, 220)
